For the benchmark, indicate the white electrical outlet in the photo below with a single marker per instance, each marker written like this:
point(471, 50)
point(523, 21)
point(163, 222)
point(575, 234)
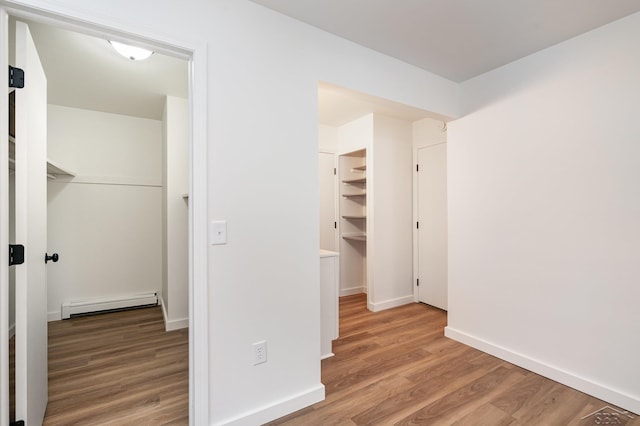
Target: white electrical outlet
point(259, 352)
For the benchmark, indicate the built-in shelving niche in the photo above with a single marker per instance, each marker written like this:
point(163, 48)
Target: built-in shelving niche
point(353, 221)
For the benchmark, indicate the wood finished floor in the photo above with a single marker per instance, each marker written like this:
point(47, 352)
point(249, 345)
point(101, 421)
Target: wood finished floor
point(119, 368)
point(395, 367)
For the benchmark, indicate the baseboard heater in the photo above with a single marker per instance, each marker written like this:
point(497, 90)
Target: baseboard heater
point(92, 306)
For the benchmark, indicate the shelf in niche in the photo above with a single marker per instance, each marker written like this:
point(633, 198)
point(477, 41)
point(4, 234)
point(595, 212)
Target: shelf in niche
point(355, 237)
point(360, 168)
point(356, 180)
point(362, 216)
point(364, 194)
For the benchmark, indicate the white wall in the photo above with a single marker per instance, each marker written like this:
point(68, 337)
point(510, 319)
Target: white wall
point(263, 73)
point(106, 147)
point(327, 138)
point(544, 205)
point(356, 135)
point(389, 214)
point(427, 132)
point(175, 282)
point(106, 223)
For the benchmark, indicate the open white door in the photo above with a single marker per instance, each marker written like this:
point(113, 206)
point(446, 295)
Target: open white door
point(31, 231)
point(432, 233)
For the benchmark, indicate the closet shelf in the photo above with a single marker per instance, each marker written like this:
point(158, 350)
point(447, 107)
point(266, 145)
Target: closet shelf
point(356, 180)
point(54, 170)
point(354, 216)
point(360, 168)
point(355, 237)
point(363, 194)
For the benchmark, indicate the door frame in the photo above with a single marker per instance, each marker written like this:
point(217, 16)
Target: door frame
point(195, 52)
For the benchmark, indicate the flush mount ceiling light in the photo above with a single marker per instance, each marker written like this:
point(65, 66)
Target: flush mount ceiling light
point(131, 52)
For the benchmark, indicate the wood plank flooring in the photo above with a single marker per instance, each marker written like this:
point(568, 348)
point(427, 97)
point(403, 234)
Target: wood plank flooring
point(119, 368)
point(391, 367)
point(395, 367)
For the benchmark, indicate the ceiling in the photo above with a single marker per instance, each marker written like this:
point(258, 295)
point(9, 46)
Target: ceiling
point(86, 72)
point(456, 39)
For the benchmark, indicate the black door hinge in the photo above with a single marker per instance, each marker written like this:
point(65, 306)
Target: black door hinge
point(17, 423)
point(335, 225)
point(16, 254)
point(417, 167)
point(417, 225)
point(418, 282)
point(16, 77)
point(334, 171)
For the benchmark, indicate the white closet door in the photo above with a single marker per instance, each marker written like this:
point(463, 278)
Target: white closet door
point(31, 231)
point(327, 179)
point(432, 232)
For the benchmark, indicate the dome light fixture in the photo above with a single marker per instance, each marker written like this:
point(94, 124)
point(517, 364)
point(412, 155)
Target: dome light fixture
point(131, 52)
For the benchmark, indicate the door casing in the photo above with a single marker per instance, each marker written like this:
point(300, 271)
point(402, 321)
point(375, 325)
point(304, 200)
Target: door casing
point(195, 52)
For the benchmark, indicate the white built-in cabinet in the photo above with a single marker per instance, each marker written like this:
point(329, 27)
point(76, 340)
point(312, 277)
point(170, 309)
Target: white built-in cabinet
point(352, 202)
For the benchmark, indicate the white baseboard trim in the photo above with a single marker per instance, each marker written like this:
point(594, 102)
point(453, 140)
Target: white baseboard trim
point(352, 290)
point(170, 325)
point(278, 409)
point(325, 356)
point(176, 324)
point(54, 316)
point(391, 303)
point(598, 390)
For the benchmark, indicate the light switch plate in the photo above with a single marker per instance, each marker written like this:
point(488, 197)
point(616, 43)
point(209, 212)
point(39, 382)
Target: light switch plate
point(218, 232)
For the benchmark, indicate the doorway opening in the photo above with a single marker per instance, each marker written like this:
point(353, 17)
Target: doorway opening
point(195, 194)
point(372, 211)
